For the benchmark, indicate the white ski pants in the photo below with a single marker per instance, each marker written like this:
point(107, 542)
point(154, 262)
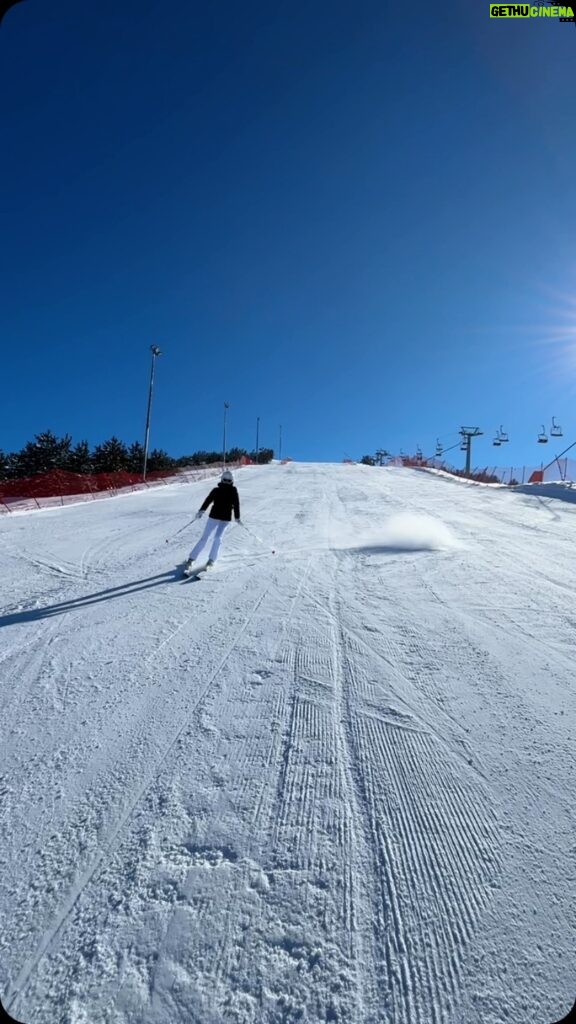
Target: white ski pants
point(214, 530)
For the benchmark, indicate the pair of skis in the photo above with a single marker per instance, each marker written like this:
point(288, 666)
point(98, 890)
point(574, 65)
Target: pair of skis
point(194, 572)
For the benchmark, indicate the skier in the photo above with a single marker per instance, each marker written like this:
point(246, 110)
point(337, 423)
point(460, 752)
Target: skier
point(224, 500)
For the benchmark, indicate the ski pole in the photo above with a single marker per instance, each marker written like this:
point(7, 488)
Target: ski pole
point(256, 537)
point(168, 539)
point(252, 534)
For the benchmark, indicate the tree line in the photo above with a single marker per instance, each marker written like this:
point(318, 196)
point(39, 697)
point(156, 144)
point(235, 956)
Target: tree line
point(48, 452)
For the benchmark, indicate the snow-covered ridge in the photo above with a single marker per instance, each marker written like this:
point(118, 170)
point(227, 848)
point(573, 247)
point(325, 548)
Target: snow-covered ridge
point(562, 490)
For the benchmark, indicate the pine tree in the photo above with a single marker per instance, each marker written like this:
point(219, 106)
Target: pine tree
point(13, 466)
point(262, 457)
point(235, 454)
point(80, 460)
point(110, 457)
point(43, 455)
point(158, 460)
point(136, 457)
point(202, 459)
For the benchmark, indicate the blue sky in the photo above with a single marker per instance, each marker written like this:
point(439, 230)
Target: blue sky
point(353, 220)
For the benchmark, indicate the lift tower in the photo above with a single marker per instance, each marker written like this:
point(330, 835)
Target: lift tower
point(467, 433)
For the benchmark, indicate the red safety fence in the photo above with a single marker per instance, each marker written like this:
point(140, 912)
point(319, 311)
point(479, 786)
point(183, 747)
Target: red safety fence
point(60, 487)
point(59, 483)
point(558, 471)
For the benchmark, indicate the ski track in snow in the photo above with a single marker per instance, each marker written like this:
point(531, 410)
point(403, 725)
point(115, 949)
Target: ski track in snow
point(325, 785)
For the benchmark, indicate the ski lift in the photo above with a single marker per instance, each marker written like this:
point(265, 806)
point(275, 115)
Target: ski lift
point(542, 436)
point(439, 448)
point(503, 436)
point(497, 440)
point(463, 445)
point(556, 429)
point(419, 453)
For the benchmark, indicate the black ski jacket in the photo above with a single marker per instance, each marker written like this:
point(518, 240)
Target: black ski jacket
point(224, 499)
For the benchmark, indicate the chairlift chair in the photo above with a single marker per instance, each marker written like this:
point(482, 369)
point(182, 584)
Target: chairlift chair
point(497, 441)
point(463, 446)
point(439, 449)
point(542, 436)
point(556, 429)
point(503, 436)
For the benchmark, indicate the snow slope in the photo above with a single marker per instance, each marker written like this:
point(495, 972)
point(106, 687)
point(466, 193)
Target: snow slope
point(334, 783)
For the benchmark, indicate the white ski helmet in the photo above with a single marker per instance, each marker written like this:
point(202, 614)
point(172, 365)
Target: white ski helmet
point(227, 477)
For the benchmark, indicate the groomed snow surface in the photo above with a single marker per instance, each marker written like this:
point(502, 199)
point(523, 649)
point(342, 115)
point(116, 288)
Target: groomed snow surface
point(331, 783)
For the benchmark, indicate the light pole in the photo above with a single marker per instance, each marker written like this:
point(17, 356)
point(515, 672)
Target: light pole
point(257, 437)
point(155, 352)
point(226, 407)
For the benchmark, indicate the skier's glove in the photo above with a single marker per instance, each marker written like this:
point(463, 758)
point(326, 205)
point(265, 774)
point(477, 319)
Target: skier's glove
point(199, 514)
point(239, 522)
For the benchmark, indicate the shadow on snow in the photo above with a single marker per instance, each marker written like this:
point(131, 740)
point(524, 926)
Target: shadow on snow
point(395, 549)
point(34, 614)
